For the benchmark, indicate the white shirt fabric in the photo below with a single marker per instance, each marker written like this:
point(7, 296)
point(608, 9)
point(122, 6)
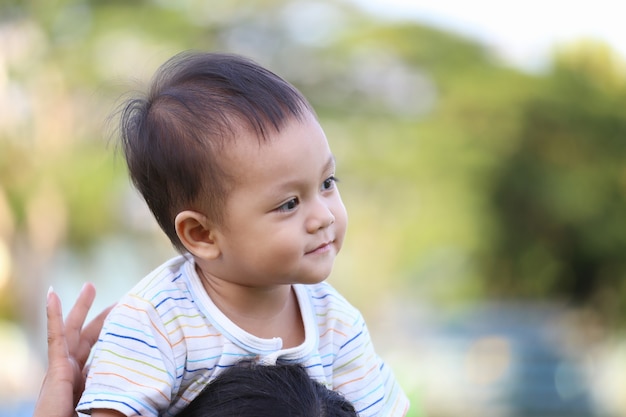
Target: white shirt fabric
point(166, 339)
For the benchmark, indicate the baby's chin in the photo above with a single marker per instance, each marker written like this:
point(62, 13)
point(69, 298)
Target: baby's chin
point(314, 278)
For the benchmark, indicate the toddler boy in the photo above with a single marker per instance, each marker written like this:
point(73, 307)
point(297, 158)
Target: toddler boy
point(237, 171)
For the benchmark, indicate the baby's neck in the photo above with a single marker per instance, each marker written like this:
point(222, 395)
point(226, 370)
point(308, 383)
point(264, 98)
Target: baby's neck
point(266, 312)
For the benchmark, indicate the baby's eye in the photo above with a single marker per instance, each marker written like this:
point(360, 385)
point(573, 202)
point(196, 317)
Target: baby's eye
point(329, 183)
point(289, 205)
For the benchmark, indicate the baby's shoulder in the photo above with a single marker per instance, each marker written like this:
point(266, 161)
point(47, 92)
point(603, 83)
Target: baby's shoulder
point(329, 304)
point(166, 282)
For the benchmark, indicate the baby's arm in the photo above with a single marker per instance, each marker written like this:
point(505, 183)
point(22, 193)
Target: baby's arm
point(366, 380)
point(357, 371)
point(102, 412)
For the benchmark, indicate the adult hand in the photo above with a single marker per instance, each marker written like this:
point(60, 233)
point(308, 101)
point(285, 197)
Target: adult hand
point(69, 345)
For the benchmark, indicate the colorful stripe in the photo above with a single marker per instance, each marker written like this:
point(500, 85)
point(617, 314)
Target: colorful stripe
point(161, 345)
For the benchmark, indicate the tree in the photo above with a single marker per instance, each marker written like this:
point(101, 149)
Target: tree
point(559, 198)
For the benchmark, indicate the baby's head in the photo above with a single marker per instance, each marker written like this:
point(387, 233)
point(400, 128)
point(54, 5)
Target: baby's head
point(173, 139)
point(225, 151)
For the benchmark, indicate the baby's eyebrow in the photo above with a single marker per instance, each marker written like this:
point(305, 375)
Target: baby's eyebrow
point(330, 164)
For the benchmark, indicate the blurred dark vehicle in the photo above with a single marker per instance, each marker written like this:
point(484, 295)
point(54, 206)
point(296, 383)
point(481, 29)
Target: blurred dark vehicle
point(506, 360)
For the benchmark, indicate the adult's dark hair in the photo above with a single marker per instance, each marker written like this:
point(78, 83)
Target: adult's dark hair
point(173, 136)
point(254, 390)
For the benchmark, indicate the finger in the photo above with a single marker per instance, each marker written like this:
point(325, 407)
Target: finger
point(56, 335)
point(92, 330)
point(76, 317)
point(89, 335)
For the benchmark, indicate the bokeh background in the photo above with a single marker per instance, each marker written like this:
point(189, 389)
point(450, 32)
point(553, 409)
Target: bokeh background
point(487, 196)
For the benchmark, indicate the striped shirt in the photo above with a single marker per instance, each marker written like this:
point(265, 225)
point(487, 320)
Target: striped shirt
point(166, 339)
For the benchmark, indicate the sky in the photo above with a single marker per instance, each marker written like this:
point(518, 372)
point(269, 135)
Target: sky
point(525, 32)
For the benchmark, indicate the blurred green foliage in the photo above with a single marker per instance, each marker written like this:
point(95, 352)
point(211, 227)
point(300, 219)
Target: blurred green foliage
point(559, 196)
point(465, 179)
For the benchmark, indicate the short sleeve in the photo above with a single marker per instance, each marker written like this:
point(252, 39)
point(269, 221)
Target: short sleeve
point(132, 370)
point(364, 378)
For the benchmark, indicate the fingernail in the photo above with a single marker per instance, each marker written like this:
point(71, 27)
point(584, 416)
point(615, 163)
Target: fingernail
point(50, 291)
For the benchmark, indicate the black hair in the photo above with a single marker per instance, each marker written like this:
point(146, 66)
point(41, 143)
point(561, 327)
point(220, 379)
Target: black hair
point(253, 390)
point(197, 102)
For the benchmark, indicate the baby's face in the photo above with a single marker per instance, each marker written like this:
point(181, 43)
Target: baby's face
point(284, 220)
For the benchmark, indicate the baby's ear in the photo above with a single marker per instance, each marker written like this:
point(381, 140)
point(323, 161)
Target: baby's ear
point(197, 234)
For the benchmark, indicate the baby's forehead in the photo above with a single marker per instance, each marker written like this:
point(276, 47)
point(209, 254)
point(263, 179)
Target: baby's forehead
point(245, 132)
point(295, 140)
